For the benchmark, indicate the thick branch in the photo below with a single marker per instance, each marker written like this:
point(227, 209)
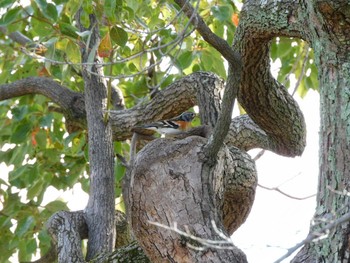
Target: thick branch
point(49, 88)
point(244, 133)
point(170, 169)
point(266, 101)
point(99, 213)
point(67, 229)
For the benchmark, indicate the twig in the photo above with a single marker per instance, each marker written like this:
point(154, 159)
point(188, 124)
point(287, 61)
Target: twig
point(311, 236)
point(226, 243)
point(302, 69)
point(259, 155)
point(288, 195)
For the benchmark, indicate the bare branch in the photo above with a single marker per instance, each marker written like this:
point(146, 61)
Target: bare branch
point(59, 94)
point(232, 84)
point(259, 155)
point(288, 195)
point(201, 243)
point(223, 123)
point(302, 73)
point(313, 235)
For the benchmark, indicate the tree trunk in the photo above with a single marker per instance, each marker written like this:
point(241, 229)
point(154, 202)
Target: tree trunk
point(330, 40)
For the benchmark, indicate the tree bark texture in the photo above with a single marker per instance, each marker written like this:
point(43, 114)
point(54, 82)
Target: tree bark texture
point(325, 26)
point(330, 38)
point(67, 229)
point(166, 188)
point(99, 213)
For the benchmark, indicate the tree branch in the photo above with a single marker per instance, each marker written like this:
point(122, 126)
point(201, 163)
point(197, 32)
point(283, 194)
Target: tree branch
point(218, 43)
point(16, 36)
point(67, 229)
point(224, 120)
point(314, 235)
point(170, 169)
point(243, 133)
point(232, 83)
point(99, 211)
point(266, 101)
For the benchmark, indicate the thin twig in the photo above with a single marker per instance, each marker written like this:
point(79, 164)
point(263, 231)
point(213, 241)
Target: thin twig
point(259, 155)
point(206, 243)
point(313, 235)
point(288, 195)
point(307, 50)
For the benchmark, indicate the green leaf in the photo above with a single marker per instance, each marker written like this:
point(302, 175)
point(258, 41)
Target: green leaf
point(46, 120)
point(185, 59)
point(212, 61)
point(42, 4)
point(119, 36)
point(19, 112)
point(10, 16)
point(72, 7)
point(73, 52)
point(5, 3)
point(68, 30)
point(18, 155)
point(109, 7)
point(31, 246)
point(51, 12)
point(284, 48)
point(41, 138)
point(21, 133)
point(24, 226)
point(222, 13)
point(41, 29)
point(56, 205)
point(17, 173)
point(35, 189)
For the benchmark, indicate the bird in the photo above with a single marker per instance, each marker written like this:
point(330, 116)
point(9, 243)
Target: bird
point(172, 126)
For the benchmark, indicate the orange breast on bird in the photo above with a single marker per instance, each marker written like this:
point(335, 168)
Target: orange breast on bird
point(184, 125)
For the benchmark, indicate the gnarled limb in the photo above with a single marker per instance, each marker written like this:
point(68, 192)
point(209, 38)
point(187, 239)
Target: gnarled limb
point(266, 101)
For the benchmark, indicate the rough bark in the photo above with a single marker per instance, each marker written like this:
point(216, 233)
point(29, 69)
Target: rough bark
point(325, 26)
point(330, 38)
point(244, 133)
point(67, 230)
point(266, 101)
point(183, 203)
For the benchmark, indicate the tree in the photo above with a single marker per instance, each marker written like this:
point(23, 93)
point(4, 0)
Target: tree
point(70, 51)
